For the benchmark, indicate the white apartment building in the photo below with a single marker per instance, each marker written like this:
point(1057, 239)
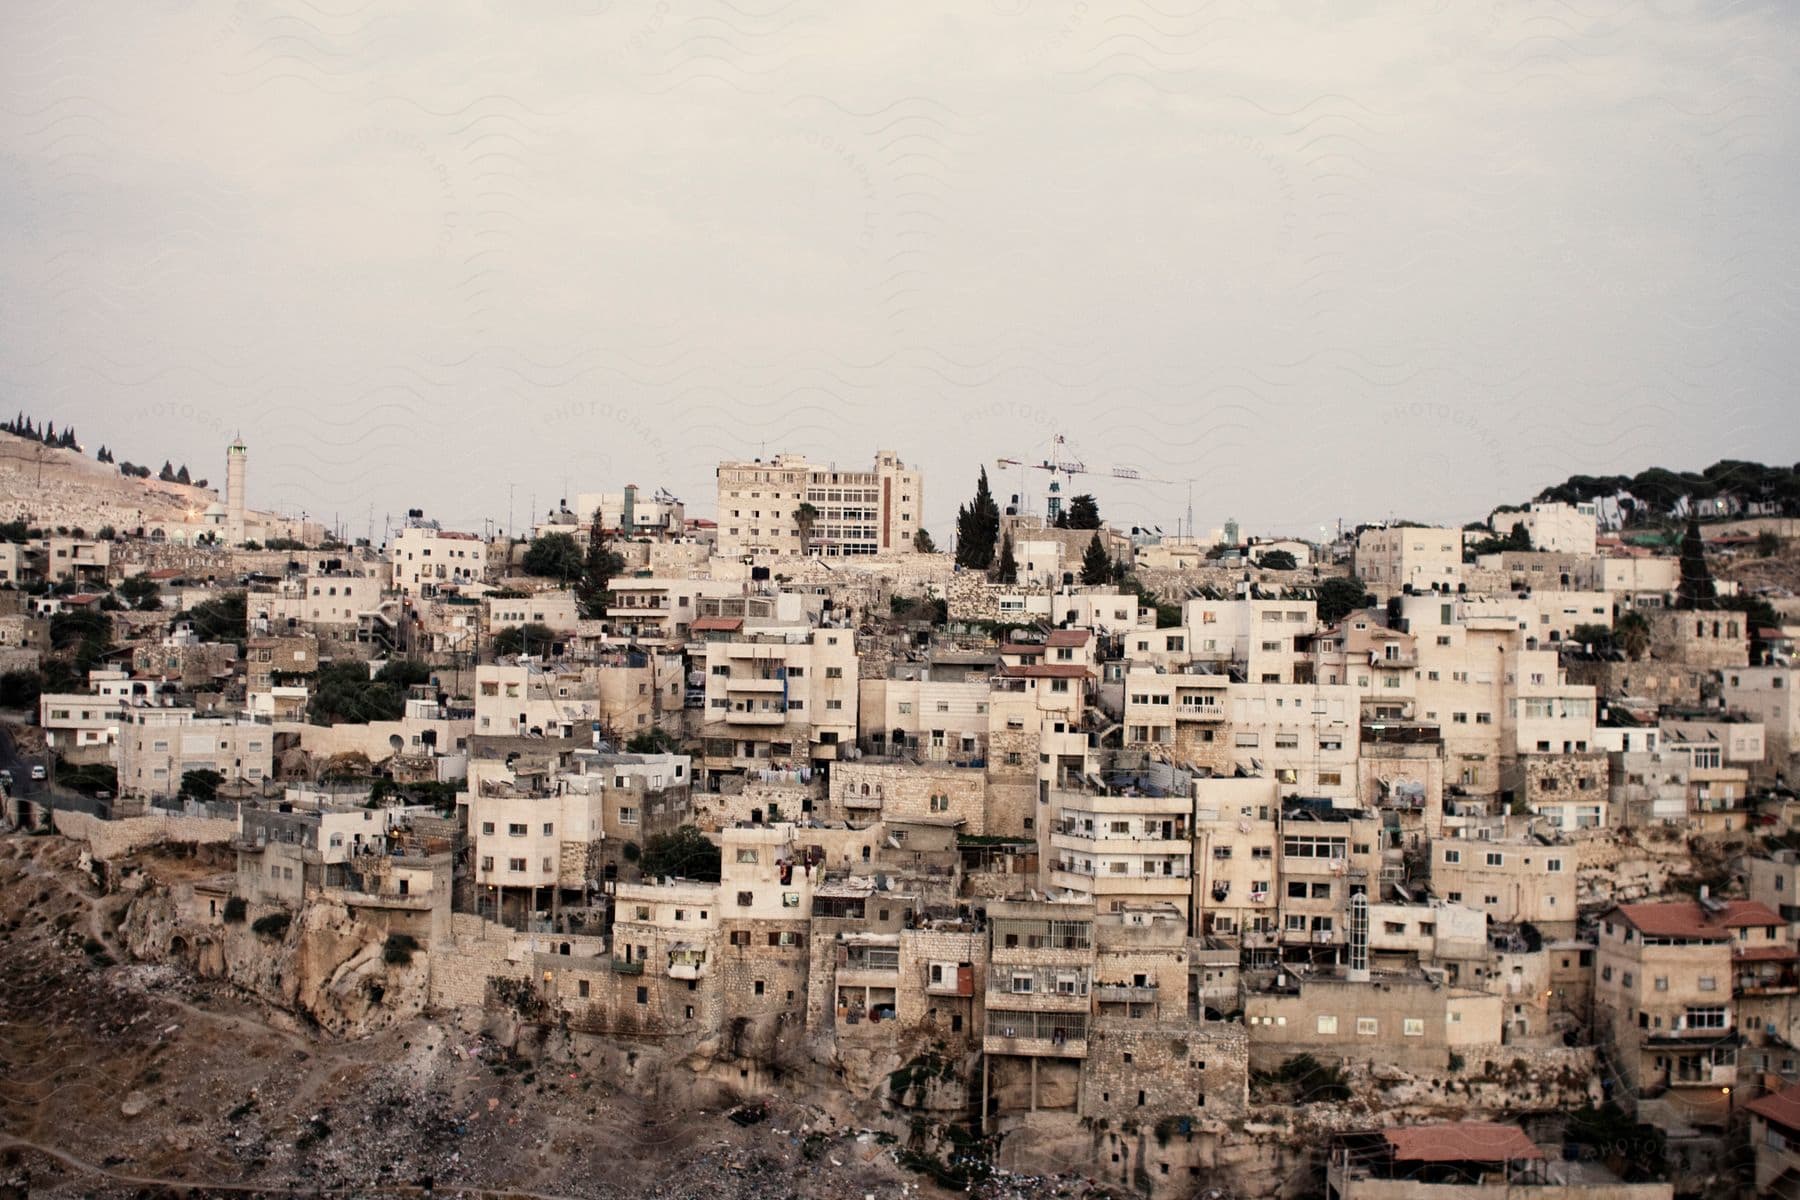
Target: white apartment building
point(74, 721)
point(938, 721)
point(1237, 840)
point(1119, 849)
point(1390, 559)
point(779, 696)
point(158, 745)
point(426, 559)
point(857, 513)
point(1269, 639)
point(1554, 526)
point(656, 611)
point(528, 698)
point(629, 513)
point(555, 608)
point(1303, 736)
point(1767, 693)
point(1546, 714)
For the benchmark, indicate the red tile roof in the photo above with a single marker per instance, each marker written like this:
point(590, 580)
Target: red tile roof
point(1782, 1108)
point(1068, 637)
point(1047, 671)
point(1764, 954)
point(1686, 918)
point(1464, 1141)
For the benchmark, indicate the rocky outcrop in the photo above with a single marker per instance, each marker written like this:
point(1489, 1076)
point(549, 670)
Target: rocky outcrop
point(323, 964)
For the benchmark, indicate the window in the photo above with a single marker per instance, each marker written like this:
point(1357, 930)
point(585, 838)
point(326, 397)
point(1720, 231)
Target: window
point(516, 830)
point(1705, 1018)
point(1496, 859)
point(1413, 1027)
point(1327, 1024)
point(1708, 983)
point(487, 827)
point(549, 828)
point(516, 864)
point(1367, 1026)
point(1453, 856)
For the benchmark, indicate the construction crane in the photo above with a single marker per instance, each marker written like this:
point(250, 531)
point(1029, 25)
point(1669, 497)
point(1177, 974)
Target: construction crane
point(1058, 463)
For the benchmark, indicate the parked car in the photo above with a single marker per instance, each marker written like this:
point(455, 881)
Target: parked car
point(38, 772)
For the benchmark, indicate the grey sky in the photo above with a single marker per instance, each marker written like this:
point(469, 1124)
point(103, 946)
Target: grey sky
point(1409, 261)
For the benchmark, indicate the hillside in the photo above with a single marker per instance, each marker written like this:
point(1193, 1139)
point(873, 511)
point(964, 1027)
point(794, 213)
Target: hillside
point(47, 487)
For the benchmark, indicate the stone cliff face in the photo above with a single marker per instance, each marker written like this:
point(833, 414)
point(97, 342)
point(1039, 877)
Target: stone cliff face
point(322, 964)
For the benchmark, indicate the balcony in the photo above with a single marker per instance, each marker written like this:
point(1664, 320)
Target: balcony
point(1125, 993)
point(749, 683)
point(756, 716)
point(627, 966)
point(960, 982)
point(1048, 1035)
point(1200, 712)
point(687, 963)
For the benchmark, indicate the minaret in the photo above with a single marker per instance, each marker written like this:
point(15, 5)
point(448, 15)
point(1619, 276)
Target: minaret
point(236, 460)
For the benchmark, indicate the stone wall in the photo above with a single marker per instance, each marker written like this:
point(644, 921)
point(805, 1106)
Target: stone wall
point(1699, 639)
point(763, 1023)
point(111, 839)
point(1659, 682)
point(1146, 1071)
point(1012, 787)
point(907, 791)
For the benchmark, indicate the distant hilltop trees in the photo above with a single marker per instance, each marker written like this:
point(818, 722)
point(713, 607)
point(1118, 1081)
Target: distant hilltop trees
point(1728, 487)
point(65, 439)
point(23, 426)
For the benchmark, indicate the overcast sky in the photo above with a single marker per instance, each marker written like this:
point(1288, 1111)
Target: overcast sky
point(1406, 260)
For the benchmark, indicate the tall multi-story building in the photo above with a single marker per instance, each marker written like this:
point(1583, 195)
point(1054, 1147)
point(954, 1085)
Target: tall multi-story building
point(852, 513)
point(427, 559)
point(1389, 560)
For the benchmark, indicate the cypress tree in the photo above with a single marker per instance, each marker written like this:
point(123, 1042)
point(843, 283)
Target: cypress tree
point(1096, 567)
point(978, 528)
point(1007, 571)
point(1696, 589)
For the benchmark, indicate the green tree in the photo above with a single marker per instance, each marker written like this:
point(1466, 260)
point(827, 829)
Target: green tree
point(805, 518)
point(1631, 633)
point(403, 673)
point(141, 592)
point(554, 556)
point(202, 785)
point(1600, 637)
point(1696, 589)
point(686, 853)
point(223, 620)
point(20, 689)
point(923, 544)
point(531, 638)
point(1096, 567)
point(1338, 597)
point(598, 566)
point(344, 694)
point(1768, 543)
point(654, 740)
point(1084, 512)
point(1277, 560)
point(1007, 569)
point(978, 528)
